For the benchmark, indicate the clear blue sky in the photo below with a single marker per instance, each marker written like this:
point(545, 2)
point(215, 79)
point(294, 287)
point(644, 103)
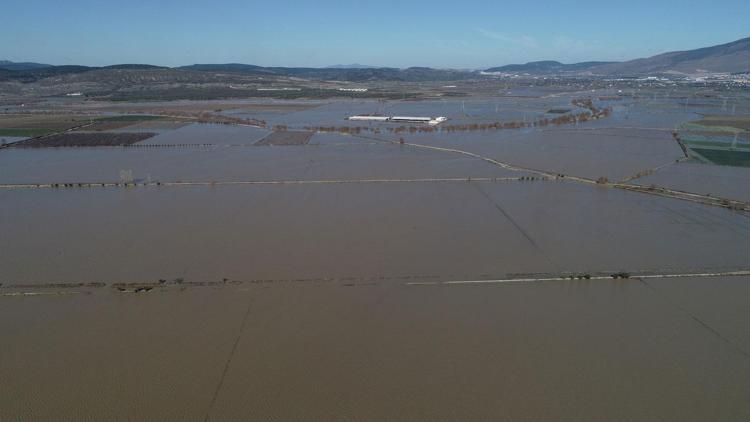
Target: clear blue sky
point(437, 33)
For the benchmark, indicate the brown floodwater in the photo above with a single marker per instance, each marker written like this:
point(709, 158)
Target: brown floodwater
point(614, 153)
point(357, 160)
point(444, 230)
point(323, 301)
point(568, 350)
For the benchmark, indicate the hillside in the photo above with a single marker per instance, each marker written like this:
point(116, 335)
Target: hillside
point(732, 57)
point(38, 72)
point(546, 67)
point(9, 65)
point(412, 74)
point(351, 66)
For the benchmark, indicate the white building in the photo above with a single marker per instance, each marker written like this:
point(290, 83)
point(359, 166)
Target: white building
point(367, 118)
point(400, 119)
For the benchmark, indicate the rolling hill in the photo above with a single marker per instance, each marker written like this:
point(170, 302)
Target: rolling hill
point(546, 67)
point(9, 65)
point(412, 74)
point(731, 57)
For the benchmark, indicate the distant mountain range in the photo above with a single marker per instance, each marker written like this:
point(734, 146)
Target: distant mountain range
point(350, 74)
point(32, 72)
point(351, 66)
point(8, 65)
point(732, 57)
point(27, 74)
point(547, 66)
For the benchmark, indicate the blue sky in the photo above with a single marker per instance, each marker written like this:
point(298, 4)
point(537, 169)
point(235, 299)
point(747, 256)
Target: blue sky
point(437, 33)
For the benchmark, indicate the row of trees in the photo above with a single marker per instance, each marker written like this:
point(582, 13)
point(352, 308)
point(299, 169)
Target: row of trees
point(592, 113)
point(209, 117)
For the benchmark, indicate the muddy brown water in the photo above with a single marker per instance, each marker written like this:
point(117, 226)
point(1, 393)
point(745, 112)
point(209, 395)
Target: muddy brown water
point(295, 302)
point(551, 351)
point(445, 230)
point(590, 153)
point(358, 160)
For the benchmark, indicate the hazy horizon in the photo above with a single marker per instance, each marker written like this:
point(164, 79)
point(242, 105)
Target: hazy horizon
point(436, 34)
point(364, 65)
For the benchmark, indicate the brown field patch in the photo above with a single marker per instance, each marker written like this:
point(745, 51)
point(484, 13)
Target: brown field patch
point(737, 122)
point(39, 124)
point(82, 139)
point(284, 137)
point(282, 108)
point(181, 107)
point(159, 125)
point(108, 125)
point(42, 121)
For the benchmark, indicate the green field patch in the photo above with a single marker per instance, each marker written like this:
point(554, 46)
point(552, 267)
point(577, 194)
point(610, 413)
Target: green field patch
point(24, 132)
point(724, 157)
point(710, 144)
point(720, 145)
point(694, 126)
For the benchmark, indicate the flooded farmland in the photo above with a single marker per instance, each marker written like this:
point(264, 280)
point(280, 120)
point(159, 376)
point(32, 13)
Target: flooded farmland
point(571, 271)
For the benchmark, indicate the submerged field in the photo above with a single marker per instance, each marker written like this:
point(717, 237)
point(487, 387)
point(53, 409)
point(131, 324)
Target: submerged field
point(246, 261)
